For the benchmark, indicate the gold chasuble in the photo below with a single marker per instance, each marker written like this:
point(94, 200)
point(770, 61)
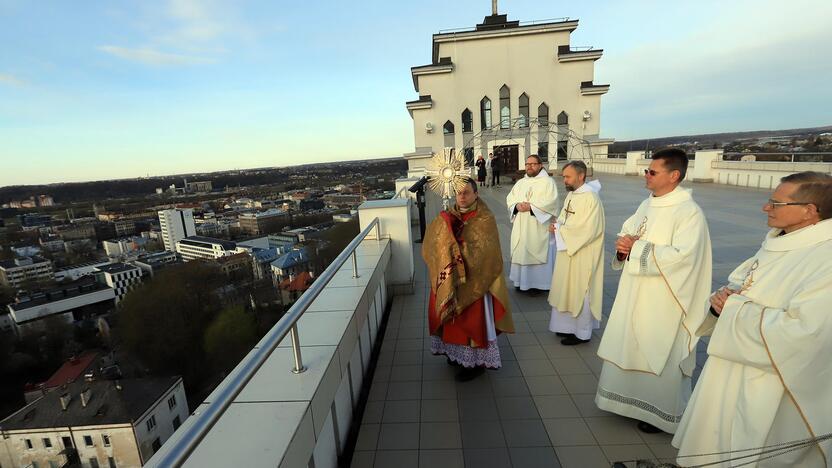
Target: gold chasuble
point(579, 269)
point(649, 344)
point(465, 264)
point(768, 376)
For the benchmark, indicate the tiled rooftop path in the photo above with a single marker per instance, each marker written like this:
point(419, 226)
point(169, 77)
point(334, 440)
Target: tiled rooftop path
point(538, 410)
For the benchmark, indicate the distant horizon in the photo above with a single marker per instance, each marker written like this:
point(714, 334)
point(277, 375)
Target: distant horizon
point(381, 158)
point(101, 91)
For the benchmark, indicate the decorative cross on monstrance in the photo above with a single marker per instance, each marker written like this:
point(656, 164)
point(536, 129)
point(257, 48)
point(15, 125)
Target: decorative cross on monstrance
point(447, 172)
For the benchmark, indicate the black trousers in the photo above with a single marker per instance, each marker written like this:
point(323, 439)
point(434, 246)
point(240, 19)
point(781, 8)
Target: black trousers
point(495, 177)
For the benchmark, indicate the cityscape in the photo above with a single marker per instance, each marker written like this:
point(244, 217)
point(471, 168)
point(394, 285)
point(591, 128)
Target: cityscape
point(195, 313)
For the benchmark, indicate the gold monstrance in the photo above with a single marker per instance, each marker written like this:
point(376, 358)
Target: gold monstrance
point(447, 172)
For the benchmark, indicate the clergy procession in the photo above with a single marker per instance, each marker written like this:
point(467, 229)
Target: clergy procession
point(763, 396)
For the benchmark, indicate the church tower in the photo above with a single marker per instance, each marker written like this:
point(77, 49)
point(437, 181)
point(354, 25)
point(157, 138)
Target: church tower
point(511, 89)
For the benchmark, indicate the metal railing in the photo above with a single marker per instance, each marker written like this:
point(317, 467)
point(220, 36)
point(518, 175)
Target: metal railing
point(778, 157)
point(178, 453)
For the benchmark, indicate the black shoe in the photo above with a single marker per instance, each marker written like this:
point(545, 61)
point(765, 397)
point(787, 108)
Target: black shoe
point(535, 292)
point(563, 335)
point(469, 373)
point(572, 340)
point(648, 428)
point(452, 363)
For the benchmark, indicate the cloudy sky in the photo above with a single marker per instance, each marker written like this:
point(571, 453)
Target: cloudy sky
point(99, 89)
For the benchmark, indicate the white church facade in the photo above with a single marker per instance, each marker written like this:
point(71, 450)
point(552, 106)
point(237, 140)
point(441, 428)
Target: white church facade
point(510, 89)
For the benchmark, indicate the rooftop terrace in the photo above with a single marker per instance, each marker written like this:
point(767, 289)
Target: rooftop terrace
point(539, 409)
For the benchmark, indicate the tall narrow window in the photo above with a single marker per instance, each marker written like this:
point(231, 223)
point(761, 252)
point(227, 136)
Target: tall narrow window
point(563, 136)
point(505, 107)
point(485, 113)
point(524, 110)
point(543, 131)
point(467, 121)
point(448, 128)
point(448, 139)
point(543, 114)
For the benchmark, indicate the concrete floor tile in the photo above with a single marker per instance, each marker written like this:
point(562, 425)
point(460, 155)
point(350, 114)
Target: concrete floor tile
point(478, 409)
point(439, 411)
point(525, 433)
point(441, 459)
point(614, 430)
point(404, 391)
point(513, 386)
point(517, 408)
point(438, 390)
point(367, 437)
point(399, 436)
point(580, 383)
point(400, 411)
point(440, 435)
point(565, 432)
point(482, 434)
point(582, 457)
point(570, 366)
point(546, 385)
point(536, 367)
point(362, 459)
point(534, 457)
point(556, 406)
point(487, 458)
point(397, 459)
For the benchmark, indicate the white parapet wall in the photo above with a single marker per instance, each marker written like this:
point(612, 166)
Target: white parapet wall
point(287, 420)
point(394, 223)
point(708, 166)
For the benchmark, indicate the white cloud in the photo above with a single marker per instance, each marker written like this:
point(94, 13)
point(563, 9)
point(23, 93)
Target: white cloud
point(12, 80)
point(153, 57)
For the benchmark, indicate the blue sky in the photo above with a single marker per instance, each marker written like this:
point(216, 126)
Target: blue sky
point(98, 89)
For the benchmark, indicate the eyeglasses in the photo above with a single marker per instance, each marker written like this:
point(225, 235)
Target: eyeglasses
point(652, 172)
point(532, 164)
point(777, 204)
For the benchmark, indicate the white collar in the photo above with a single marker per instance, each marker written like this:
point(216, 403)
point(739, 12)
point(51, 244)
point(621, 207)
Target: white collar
point(591, 186)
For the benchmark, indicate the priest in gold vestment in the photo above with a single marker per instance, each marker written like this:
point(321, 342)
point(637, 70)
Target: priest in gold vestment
point(768, 376)
point(468, 305)
point(578, 282)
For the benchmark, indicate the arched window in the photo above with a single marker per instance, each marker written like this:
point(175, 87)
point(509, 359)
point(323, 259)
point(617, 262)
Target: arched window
point(505, 107)
point(467, 121)
point(543, 114)
point(448, 128)
point(563, 119)
point(485, 113)
point(524, 110)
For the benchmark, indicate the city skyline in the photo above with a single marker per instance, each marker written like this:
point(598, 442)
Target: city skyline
point(106, 92)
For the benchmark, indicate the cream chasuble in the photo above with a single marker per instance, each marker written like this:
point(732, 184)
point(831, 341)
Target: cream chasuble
point(579, 269)
point(768, 376)
point(648, 344)
point(530, 231)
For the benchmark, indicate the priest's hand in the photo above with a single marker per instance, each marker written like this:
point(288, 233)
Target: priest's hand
point(552, 228)
point(524, 206)
point(719, 297)
point(624, 244)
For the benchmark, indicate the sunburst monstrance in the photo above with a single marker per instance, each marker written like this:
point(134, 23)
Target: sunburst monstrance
point(447, 172)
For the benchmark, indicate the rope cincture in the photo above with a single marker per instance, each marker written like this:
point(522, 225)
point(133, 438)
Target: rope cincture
point(770, 451)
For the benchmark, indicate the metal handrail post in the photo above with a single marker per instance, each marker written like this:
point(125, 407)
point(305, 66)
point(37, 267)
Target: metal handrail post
point(354, 265)
point(299, 367)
